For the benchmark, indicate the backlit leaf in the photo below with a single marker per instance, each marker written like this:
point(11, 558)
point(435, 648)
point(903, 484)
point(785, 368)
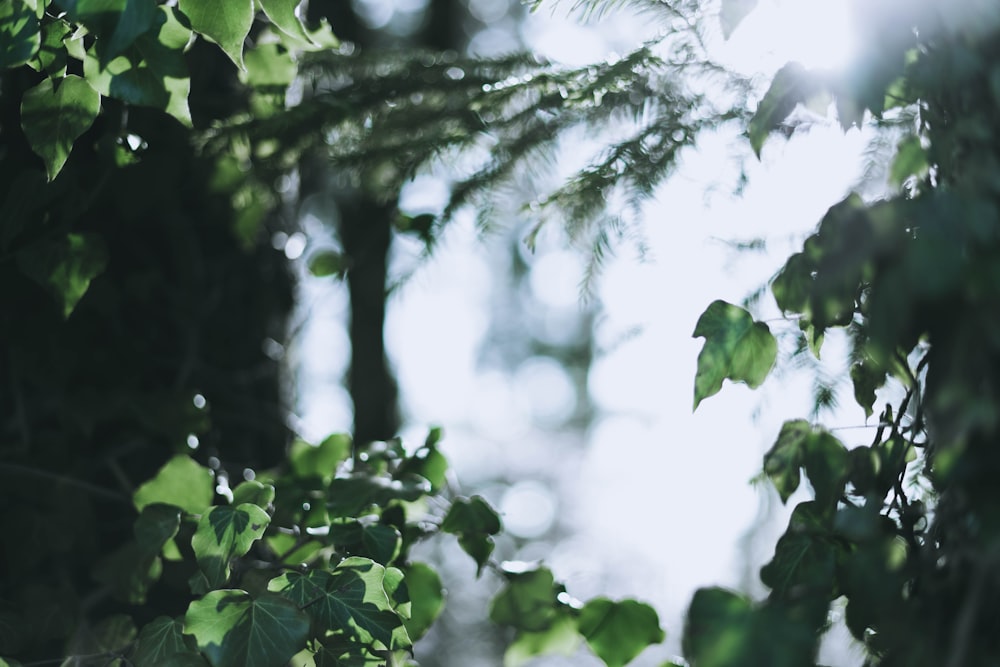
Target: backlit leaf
point(619, 631)
point(783, 461)
point(54, 117)
point(528, 602)
point(225, 533)
point(252, 491)
point(234, 630)
point(426, 598)
point(791, 85)
point(181, 482)
point(282, 15)
point(225, 23)
point(320, 460)
point(736, 347)
point(561, 637)
point(474, 521)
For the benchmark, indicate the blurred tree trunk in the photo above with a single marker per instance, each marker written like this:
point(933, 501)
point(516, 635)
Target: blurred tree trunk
point(365, 229)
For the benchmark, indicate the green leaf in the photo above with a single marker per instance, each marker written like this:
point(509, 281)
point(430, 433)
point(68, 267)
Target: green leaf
point(381, 542)
point(225, 23)
point(429, 463)
point(156, 525)
point(129, 572)
point(528, 602)
point(783, 461)
point(791, 85)
point(282, 15)
point(804, 559)
point(152, 72)
point(162, 642)
point(181, 482)
point(736, 347)
point(234, 630)
point(20, 37)
point(269, 66)
point(732, 14)
point(51, 56)
point(619, 631)
point(867, 377)
point(348, 496)
point(826, 464)
point(561, 637)
point(53, 118)
point(825, 459)
point(474, 521)
point(138, 18)
point(225, 533)
point(910, 160)
point(717, 629)
point(426, 598)
point(254, 492)
point(65, 266)
point(327, 263)
point(352, 599)
point(320, 460)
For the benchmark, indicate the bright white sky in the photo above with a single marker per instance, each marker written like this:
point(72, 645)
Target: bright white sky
point(659, 488)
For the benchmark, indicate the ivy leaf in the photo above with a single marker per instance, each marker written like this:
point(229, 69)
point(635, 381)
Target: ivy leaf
point(736, 347)
point(619, 631)
point(282, 15)
point(783, 460)
point(381, 542)
point(20, 38)
point(53, 118)
point(129, 572)
point(162, 642)
point(225, 533)
point(790, 86)
point(352, 599)
point(225, 23)
point(234, 630)
point(825, 459)
point(474, 521)
point(826, 463)
point(561, 637)
point(805, 557)
point(717, 630)
point(156, 525)
point(252, 491)
point(426, 598)
point(65, 266)
point(181, 482)
point(320, 460)
point(528, 602)
point(732, 14)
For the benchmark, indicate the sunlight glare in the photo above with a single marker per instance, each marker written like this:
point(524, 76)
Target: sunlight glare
point(817, 33)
